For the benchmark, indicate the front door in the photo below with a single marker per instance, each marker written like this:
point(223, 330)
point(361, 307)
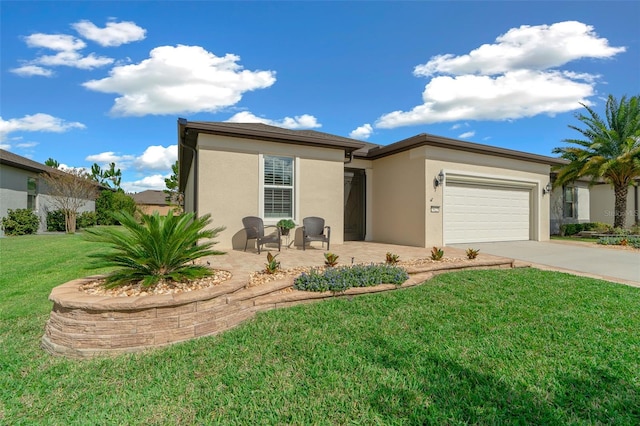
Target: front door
point(354, 204)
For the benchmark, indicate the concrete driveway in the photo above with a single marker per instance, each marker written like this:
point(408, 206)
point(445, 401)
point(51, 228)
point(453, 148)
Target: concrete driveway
point(597, 261)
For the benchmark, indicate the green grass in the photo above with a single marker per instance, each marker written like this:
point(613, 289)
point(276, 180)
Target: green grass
point(479, 347)
point(580, 239)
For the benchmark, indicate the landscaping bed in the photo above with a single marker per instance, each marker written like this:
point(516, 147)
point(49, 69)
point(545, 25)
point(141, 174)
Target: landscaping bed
point(85, 325)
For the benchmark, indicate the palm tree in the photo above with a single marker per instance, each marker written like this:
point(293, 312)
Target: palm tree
point(610, 150)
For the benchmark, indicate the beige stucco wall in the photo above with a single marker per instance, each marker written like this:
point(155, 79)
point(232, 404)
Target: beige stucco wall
point(602, 204)
point(321, 194)
point(399, 199)
point(485, 167)
point(404, 192)
point(230, 178)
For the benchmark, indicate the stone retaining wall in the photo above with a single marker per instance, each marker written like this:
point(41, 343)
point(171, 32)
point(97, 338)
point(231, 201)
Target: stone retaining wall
point(84, 326)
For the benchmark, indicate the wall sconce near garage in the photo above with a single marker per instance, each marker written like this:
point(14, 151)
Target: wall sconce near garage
point(439, 180)
point(546, 189)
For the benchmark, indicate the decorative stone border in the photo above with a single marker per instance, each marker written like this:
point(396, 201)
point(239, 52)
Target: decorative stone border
point(85, 326)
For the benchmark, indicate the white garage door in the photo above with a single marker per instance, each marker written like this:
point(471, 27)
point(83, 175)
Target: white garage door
point(475, 213)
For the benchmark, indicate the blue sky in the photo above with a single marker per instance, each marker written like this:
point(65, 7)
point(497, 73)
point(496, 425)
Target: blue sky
point(86, 82)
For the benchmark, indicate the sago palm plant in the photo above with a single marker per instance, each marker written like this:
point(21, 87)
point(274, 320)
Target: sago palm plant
point(157, 248)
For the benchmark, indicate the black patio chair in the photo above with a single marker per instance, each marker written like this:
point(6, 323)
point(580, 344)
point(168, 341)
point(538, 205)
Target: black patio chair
point(313, 229)
point(254, 227)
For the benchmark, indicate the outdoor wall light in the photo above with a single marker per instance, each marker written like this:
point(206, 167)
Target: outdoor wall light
point(546, 189)
point(439, 180)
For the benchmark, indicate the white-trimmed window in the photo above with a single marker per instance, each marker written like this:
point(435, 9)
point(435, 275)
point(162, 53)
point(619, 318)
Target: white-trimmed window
point(278, 187)
point(32, 193)
point(569, 201)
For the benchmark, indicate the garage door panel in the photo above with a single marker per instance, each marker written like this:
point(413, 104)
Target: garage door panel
point(481, 214)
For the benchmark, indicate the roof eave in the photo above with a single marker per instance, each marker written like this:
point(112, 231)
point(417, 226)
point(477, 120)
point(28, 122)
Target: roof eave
point(425, 139)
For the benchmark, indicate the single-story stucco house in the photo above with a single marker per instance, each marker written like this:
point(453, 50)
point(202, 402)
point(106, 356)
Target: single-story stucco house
point(22, 187)
point(151, 201)
point(423, 191)
point(582, 201)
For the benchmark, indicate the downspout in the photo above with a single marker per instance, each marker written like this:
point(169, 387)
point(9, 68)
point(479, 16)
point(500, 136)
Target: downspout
point(350, 158)
point(183, 121)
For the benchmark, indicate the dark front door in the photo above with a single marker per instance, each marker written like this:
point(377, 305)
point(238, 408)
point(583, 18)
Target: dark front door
point(354, 204)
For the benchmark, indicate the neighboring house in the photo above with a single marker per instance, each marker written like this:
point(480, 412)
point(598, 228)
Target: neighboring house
point(150, 201)
point(603, 199)
point(423, 191)
point(570, 203)
point(22, 187)
point(582, 202)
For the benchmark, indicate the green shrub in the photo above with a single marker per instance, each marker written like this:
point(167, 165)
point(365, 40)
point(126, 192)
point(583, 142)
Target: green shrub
point(340, 279)
point(55, 221)
point(598, 227)
point(623, 240)
point(159, 248)
point(20, 222)
point(621, 231)
point(86, 219)
point(110, 202)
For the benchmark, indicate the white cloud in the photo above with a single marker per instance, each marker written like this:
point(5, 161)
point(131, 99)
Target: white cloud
point(36, 123)
point(459, 125)
point(113, 34)
point(59, 42)
point(31, 70)
point(148, 182)
point(67, 54)
point(363, 132)
point(154, 158)
point(157, 157)
point(180, 79)
point(104, 159)
point(26, 144)
point(511, 79)
point(74, 60)
point(467, 135)
point(304, 121)
point(67, 168)
point(5, 146)
point(527, 47)
point(514, 95)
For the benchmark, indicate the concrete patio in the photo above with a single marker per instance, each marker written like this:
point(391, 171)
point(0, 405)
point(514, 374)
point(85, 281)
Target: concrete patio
point(242, 263)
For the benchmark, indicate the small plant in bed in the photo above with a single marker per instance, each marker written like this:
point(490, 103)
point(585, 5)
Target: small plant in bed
point(472, 253)
point(436, 253)
point(392, 259)
point(272, 266)
point(330, 259)
point(158, 248)
point(340, 279)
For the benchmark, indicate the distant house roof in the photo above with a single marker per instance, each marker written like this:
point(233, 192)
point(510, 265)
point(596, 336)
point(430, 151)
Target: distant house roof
point(151, 197)
point(11, 159)
point(17, 161)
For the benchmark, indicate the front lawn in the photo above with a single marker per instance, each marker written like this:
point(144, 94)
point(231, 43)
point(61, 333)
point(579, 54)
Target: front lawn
point(572, 238)
point(489, 347)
